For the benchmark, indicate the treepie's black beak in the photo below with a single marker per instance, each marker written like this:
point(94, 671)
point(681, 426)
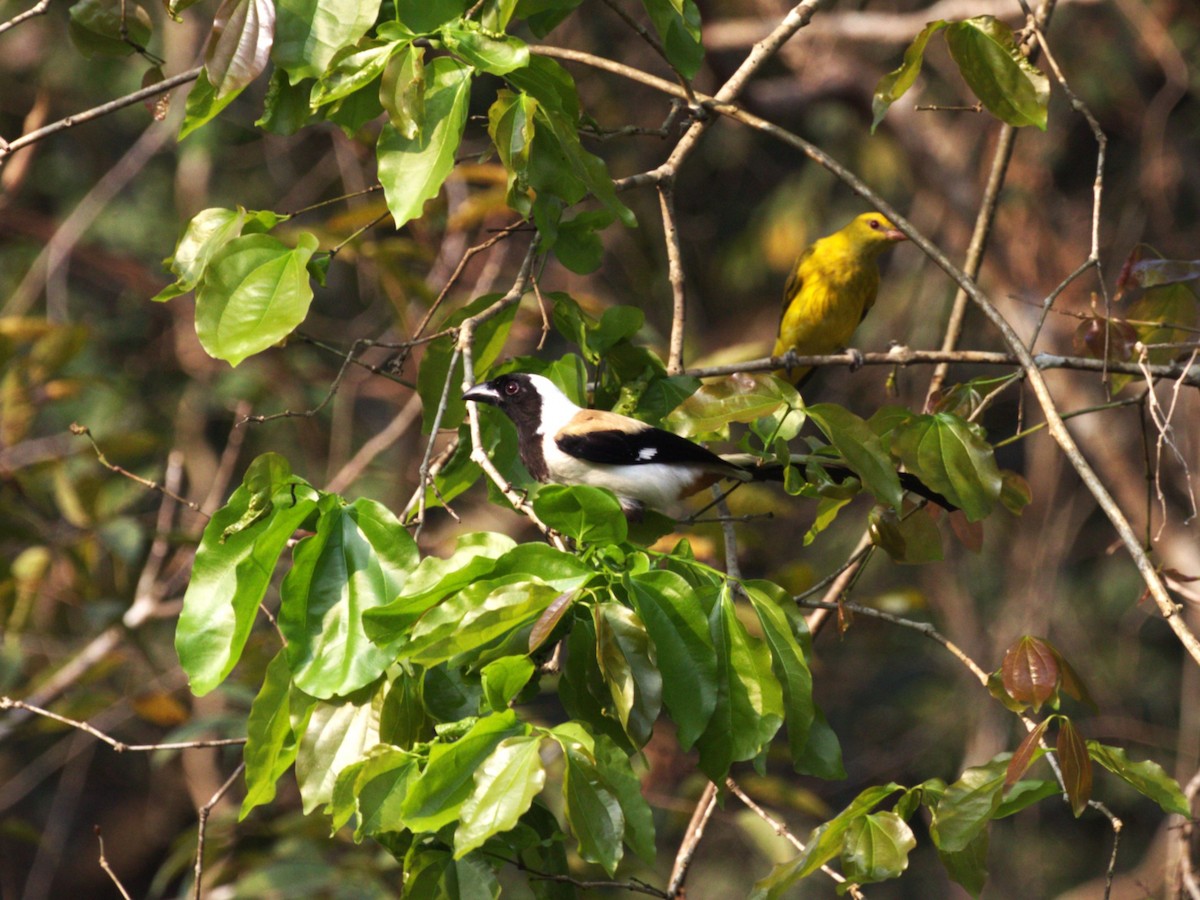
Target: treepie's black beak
point(483, 393)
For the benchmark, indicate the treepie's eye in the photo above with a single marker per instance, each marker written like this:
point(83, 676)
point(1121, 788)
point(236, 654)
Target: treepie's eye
point(511, 388)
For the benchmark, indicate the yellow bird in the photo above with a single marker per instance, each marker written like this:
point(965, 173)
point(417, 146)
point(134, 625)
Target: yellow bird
point(831, 290)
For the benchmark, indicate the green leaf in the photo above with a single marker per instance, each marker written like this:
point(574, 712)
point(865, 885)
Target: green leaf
point(593, 810)
point(504, 678)
point(1012, 88)
point(893, 85)
point(271, 743)
point(968, 805)
point(912, 540)
point(822, 755)
point(359, 559)
point(736, 398)
point(255, 292)
point(240, 45)
point(339, 733)
point(497, 54)
point(749, 706)
point(951, 456)
point(825, 842)
point(859, 446)
point(285, 106)
point(412, 170)
point(1076, 766)
point(613, 766)
point(1146, 777)
point(352, 69)
point(309, 32)
point(233, 568)
point(589, 515)
point(402, 91)
point(549, 83)
point(482, 613)
point(968, 867)
point(436, 798)
point(374, 789)
point(1024, 794)
point(626, 659)
point(876, 847)
point(424, 16)
point(781, 622)
point(95, 27)
point(666, 605)
point(505, 785)
point(202, 106)
point(581, 687)
point(207, 232)
point(559, 162)
point(678, 25)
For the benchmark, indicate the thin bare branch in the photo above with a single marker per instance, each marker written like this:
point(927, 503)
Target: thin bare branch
point(691, 840)
point(666, 203)
point(633, 885)
point(107, 868)
point(38, 10)
point(204, 813)
point(84, 431)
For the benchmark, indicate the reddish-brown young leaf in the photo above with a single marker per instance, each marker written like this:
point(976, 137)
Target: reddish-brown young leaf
point(550, 618)
point(969, 534)
point(1096, 332)
point(1076, 766)
point(1071, 683)
point(1030, 671)
point(1022, 757)
point(240, 44)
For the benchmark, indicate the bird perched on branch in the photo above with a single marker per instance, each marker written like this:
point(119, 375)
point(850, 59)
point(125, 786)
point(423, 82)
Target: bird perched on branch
point(567, 444)
point(831, 290)
point(643, 465)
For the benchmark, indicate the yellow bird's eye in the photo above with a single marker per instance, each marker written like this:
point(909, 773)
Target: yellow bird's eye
point(874, 223)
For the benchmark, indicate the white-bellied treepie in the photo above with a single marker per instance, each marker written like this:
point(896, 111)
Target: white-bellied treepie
point(567, 444)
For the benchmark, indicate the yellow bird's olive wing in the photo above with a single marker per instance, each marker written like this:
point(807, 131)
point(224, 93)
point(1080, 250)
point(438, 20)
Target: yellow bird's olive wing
point(795, 282)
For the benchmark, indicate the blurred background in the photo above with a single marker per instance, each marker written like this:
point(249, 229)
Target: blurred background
point(87, 216)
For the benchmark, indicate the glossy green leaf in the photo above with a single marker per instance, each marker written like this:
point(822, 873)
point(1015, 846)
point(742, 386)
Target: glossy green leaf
point(667, 607)
point(412, 170)
point(423, 16)
point(559, 155)
point(1024, 794)
point(240, 44)
point(581, 687)
point(207, 232)
point(255, 292)
point(285, 106)
point(95, 27)
point(585, 514)
point(309, 32)
point(859, 446)
point(895, 84)
point(402, 91)
point(618, 776)
point(271, 743)
point(202, 105)
point(1012, 88)
point(359, 559)
point(876, 847)
point(968, 867)
point(593, 810)
point(951, 456)
point(480, 614)
point(496, 54)
point(549, 83)
point(825, 843)
point(436, 798)
point(743, 397)
point(749, 707)
point(822, 755)
point(626, 658)
point(373, 789)
point(338, 734)
point(1146, 777)
point(351, 69)
point(781, 621)
point(234, 564)
point(678, 25)
point(504, 678)
point(968, 805)
point(505, 785)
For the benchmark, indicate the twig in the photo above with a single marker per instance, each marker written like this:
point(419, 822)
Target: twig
point(633, 885)
point(783, 832)
point(159, 87)
point(119, 746)
point(107, 868)
point(204, 812)
point(84, 431)
point(691, 840)
point(379, 442)
point(666, 204)
point(351, 356)
point(38, 10)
